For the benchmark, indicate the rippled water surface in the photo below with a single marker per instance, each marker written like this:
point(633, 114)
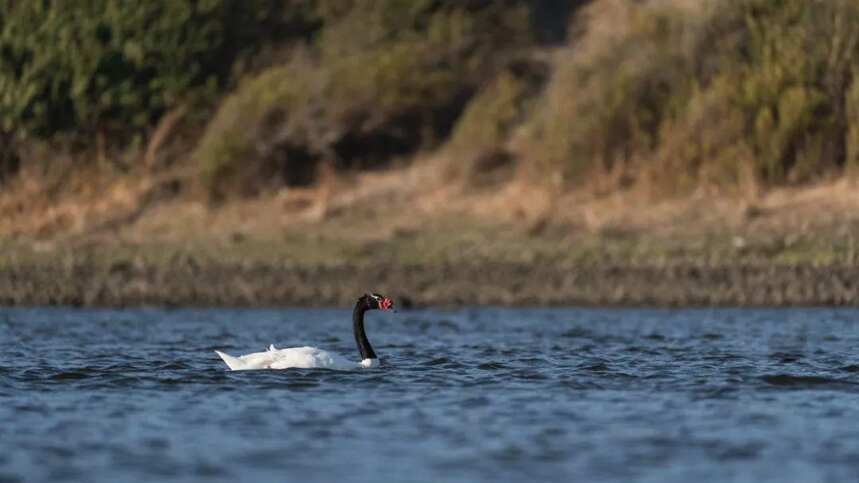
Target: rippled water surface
point(488, 395)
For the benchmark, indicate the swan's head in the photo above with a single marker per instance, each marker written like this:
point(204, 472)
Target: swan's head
point(376, 301)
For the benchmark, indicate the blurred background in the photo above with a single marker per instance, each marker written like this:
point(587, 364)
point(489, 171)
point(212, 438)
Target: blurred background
point(544, 151)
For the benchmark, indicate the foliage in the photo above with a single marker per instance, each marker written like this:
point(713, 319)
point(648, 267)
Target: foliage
point(489, 117)
point(714, 92)
point(111, 66)
point(479, 141)
point(673, 94)
point(382, 79)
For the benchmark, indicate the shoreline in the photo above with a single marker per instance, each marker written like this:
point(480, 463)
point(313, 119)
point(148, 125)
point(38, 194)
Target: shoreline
point(500, 284)
point(795, 248)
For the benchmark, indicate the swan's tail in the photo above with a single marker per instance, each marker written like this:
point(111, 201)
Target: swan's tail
point(233, 363)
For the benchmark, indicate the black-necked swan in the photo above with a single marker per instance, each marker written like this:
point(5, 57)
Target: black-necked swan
point(311, 357)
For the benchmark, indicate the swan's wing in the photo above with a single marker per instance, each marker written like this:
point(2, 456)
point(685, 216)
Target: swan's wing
point(274, 358)
point(258, 360)
point(297, 357)
point(310, 357)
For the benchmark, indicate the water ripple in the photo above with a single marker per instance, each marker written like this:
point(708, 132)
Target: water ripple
point(482, 395)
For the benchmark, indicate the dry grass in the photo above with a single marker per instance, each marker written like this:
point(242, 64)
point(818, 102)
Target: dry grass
point(84, 202)
point(413, 214)
point(377, 205)
point(678, 95)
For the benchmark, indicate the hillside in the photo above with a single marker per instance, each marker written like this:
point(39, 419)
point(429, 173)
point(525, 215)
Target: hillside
point(668, 152)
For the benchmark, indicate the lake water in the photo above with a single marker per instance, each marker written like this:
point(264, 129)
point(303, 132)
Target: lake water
point(483, 394)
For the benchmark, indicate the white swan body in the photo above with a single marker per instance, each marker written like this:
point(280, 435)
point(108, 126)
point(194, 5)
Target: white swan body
point(293, 357)
point(311, 357)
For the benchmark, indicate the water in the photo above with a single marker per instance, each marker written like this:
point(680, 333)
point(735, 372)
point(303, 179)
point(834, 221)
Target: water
point(485, 395)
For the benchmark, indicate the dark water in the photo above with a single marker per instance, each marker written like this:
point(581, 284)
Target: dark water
point(485, 395)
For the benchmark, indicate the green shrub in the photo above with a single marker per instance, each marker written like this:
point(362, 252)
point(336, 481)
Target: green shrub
point(112, 66)
point(231, 156)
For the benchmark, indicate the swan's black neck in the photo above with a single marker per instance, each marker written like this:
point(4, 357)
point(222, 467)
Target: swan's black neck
point(364, 346)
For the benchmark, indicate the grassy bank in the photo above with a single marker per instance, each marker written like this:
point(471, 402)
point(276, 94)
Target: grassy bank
point(780, 251)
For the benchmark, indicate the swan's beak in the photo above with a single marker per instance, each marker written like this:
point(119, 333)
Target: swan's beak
point(386, 304)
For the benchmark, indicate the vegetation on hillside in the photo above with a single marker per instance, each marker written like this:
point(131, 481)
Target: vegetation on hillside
point(684, 93)
point(382, 80)
point(667, 94)
point(111, 68)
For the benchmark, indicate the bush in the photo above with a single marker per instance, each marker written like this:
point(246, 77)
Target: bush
point(679, 95)
point(478, 143)
point(613, 88)
point(232, 157)
point(112, 67)
point(382, 80)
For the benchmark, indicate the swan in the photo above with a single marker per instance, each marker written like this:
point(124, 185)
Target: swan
point(311, 357)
